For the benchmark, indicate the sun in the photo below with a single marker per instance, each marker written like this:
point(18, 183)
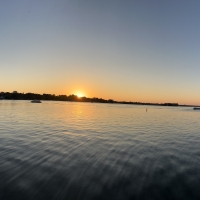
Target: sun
point(79, 95)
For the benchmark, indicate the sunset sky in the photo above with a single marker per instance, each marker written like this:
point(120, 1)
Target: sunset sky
point(144, 50)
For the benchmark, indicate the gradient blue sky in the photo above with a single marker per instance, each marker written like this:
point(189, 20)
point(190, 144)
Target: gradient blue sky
point(129, 50)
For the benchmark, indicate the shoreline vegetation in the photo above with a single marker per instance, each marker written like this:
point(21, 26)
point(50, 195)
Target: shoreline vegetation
point(52, 97)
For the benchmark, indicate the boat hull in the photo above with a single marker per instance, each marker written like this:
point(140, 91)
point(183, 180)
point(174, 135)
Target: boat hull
point(36, 101)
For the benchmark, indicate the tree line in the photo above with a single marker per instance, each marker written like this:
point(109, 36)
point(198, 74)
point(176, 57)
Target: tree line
point(30, 96)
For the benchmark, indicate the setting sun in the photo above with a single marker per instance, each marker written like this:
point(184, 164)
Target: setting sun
point(79, 95)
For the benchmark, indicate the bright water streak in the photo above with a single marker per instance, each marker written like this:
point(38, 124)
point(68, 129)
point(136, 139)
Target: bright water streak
point(66, 150)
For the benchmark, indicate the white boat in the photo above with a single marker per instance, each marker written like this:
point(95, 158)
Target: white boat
point(36, 101)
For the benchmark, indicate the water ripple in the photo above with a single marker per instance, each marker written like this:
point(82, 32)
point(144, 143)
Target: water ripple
point(62, 150)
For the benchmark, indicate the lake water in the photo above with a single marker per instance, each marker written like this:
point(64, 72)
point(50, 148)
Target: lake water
point(68, 150)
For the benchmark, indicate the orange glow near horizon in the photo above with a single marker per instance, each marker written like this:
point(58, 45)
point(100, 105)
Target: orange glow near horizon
point(134, 95)
point(80, 95)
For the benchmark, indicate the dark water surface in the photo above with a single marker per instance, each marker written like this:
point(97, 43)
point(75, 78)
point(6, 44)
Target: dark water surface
point(63, 150)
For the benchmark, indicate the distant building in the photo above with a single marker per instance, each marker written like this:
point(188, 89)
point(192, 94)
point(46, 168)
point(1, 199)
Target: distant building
point(15, 92)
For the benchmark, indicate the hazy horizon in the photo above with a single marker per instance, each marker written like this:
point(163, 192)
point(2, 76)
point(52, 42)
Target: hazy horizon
point(145, 51)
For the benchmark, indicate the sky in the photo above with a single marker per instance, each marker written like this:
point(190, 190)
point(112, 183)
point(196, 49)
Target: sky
point(132, 50)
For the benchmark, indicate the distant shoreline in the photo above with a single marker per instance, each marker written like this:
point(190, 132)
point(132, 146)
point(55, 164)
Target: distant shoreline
point(74, 98)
